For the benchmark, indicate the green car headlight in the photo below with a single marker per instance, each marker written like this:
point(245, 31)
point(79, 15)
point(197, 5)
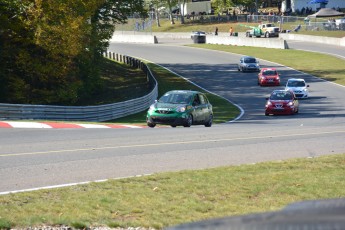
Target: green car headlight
point(181, 109)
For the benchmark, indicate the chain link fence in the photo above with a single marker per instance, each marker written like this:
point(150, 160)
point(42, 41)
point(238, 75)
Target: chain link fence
point(287, 23)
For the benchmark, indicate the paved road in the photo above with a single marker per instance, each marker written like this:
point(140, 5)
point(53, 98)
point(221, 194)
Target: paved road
point(31, 158)
point(217, 71)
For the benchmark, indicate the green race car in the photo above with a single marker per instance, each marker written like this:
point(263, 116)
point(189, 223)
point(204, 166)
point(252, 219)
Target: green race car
point(181, 108)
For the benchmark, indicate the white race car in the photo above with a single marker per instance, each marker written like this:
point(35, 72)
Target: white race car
point(298, 86)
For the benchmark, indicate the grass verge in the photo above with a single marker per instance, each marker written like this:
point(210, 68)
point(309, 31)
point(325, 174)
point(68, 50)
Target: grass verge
point(168, 199)
point(117, 79)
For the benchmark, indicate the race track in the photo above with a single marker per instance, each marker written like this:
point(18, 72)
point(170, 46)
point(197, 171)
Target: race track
point(34, 158)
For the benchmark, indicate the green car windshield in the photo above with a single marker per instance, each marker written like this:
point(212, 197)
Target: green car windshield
point(176, 98)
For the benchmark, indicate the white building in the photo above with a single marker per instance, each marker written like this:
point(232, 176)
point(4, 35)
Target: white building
point(299, 4)
point(201, 6)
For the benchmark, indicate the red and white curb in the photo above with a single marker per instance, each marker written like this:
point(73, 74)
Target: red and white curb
point(58, 125)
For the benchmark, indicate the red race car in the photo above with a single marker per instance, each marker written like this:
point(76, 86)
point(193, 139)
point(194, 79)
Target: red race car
point(281, 102)
point(268, 77)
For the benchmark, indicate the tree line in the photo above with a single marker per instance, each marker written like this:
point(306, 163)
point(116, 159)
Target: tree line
point(218, 6)
point(51, 50)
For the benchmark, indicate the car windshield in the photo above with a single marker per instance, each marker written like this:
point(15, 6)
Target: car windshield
point(296, 84)
point(176, 98)
point(281, 96)
point(250, 60)
point(270, 72)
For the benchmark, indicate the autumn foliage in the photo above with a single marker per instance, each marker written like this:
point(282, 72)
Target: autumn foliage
point(51, 51)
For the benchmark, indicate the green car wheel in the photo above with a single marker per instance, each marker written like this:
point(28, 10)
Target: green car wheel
point(150, 124)
point(189, 121)
point(209, 121)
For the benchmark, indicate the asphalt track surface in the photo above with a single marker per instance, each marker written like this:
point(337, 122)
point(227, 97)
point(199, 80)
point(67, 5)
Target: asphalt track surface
point(36, 158)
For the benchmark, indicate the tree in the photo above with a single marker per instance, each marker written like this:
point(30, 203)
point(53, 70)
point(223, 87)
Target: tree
point(51, 50)
point(182, 5)
point(155, 6)
point(169, 3)
point(103, 22)
point(12, 33)
point(223, 5)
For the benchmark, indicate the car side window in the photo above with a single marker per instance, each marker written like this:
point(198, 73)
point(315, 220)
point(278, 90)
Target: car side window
point(196, 100)
point(202, 99)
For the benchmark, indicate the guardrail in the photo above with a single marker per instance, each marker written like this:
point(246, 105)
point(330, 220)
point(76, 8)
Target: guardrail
point(87, 113)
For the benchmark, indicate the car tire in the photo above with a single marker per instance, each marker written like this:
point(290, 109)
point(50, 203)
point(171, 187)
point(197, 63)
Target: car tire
point(267, 35)
point(267, 114)
point(209, 121)
point(151, 125)
point(173, 126)
point(189, 121)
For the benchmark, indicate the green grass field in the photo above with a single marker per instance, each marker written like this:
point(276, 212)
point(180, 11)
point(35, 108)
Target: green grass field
point(168, 199)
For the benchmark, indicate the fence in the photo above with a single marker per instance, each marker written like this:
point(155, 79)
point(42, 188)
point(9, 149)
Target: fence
point(87, 113)
point(284, 22)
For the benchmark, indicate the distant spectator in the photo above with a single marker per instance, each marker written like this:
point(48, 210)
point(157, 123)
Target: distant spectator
point(216, 31)
point(231, 31)
point(297, 28)
point(306, 20)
